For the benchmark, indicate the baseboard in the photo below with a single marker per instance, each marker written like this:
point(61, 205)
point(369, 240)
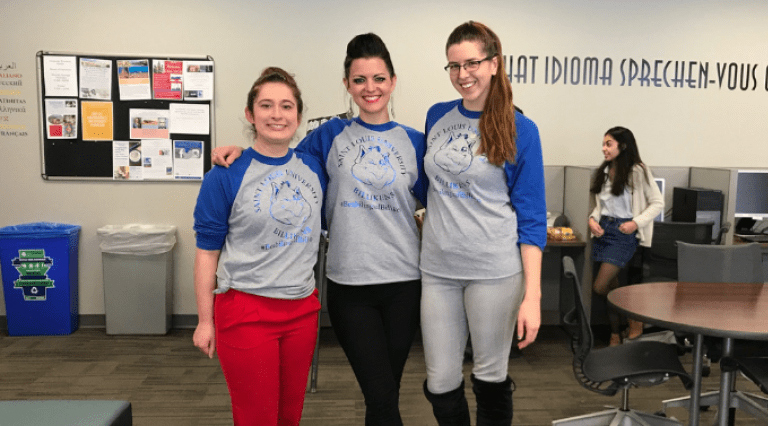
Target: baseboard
point(99, 321)
point(177, 321)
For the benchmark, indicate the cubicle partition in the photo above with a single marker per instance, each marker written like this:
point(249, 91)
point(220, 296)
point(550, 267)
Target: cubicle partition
point(673, 177)
point(567, 194)
point(723, 180)
point(554, 179)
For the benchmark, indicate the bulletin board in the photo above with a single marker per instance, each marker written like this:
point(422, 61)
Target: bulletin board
point(125, 118)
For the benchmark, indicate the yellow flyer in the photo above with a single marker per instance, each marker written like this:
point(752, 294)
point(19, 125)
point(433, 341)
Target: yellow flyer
point(97, 121)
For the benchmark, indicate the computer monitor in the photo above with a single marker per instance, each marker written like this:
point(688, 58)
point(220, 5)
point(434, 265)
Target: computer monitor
point(752, 194)
point(661, 183)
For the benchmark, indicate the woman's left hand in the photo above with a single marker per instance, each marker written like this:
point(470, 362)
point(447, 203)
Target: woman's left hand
point(628, 227)
point(528, 322)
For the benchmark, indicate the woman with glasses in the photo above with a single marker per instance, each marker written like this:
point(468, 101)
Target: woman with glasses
point(483, 234)
point(257, 228)
point(373, 166)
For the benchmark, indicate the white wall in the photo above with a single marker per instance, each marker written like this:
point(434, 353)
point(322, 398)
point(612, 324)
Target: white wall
point(675, 127)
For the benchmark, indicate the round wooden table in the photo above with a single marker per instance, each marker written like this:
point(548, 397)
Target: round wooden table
point(727, 310)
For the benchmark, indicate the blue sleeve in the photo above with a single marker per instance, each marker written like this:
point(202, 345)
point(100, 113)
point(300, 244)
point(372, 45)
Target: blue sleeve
point(436, 112)
point(315, 166)
point(318, 142)
point(214, 204)
point(420, 147)
point(525, 180)
point(316, 145)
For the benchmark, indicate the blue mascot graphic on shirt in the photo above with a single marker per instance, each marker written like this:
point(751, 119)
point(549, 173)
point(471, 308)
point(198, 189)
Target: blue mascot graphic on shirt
point(455, 155)
point(372, 167)
point(287, 205)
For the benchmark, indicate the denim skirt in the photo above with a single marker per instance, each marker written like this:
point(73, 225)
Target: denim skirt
point(614, 246)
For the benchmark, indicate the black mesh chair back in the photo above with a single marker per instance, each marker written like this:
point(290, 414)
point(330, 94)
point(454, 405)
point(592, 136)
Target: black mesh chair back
point(608, 370)
point(582, 338)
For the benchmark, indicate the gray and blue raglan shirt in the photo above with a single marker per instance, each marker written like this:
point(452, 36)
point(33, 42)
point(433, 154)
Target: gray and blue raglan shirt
point(479, 213)
point(373, 181)
point(264, 214)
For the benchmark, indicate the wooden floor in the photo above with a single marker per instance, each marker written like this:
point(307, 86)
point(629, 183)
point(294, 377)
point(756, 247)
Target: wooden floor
point(170, 383)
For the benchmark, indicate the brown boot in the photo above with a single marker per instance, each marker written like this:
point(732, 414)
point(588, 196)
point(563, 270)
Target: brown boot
point(634, 330)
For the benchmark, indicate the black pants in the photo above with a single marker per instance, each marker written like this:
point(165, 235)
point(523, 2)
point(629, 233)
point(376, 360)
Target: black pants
point(376, 325)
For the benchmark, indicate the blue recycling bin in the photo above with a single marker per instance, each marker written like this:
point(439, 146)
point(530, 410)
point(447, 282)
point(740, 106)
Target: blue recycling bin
point(38, 262)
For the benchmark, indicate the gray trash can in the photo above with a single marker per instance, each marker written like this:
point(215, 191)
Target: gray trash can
point(138, 277)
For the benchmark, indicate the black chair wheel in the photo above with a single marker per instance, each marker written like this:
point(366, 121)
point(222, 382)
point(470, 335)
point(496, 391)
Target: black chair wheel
point(705, 370)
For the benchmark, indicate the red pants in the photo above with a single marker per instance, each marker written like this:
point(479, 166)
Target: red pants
point(265, 349)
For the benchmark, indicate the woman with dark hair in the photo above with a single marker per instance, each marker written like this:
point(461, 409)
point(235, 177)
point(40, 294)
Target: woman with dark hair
point(373, 166)
point(257, 226)
point(483, 235)
point(625, 200)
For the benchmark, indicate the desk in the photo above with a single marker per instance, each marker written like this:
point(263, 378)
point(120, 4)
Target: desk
point(730, 311)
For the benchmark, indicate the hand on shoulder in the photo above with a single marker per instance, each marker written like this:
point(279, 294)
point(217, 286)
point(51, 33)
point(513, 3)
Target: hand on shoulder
point(226, 155)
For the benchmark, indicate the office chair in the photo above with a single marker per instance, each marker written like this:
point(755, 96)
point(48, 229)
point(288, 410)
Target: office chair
point(320, 283)
point(660, 260)
point(723, 230)
point(608, 370)
point(732, 264)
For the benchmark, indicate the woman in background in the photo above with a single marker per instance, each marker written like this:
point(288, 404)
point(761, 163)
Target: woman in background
point(625, 202)
point(483, 235)
point(258, 227)
point(373, 166)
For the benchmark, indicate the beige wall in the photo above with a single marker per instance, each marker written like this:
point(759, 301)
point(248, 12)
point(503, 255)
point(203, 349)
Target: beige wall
point(675, 127)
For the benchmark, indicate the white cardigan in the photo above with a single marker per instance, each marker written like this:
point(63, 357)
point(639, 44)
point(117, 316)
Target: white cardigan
point(647, 203)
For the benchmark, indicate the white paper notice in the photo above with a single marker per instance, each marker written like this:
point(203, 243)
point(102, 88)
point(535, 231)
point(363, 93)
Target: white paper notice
point(120, 167)
point(135, 161)
point(95, 79)
point(190, 118)
point(61, 118)
point(60, 74)
point(158, 161)
point(188, 160)
point(198, 80)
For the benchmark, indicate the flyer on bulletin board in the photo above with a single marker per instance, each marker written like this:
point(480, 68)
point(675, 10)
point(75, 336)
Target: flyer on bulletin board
point(167, 79)
point(135, 161)
point(95, 79)
point(133, 79)
point(157, 159)
point(198, 80)
point(149, 123)
point(188, 160)
point(61, 118)
point(60, 74)
point(120, 163)
point(97, 121)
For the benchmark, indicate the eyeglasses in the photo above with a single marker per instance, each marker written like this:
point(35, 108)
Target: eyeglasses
point(468, 66)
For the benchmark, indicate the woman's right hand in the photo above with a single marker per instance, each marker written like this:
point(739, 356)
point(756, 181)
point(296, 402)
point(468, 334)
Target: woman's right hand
point(225, 155)
point(595, 228)
point(205, 339)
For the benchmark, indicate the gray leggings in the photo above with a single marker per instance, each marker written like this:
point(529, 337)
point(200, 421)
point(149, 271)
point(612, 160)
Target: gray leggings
point(450, 310)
